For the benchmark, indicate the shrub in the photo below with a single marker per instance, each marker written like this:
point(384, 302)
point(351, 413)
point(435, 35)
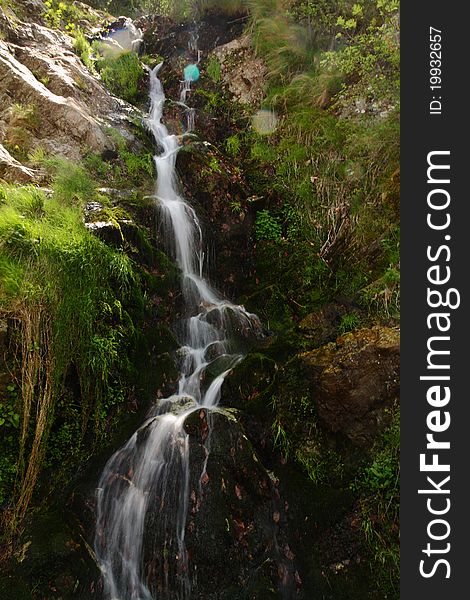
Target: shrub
point(122, 75)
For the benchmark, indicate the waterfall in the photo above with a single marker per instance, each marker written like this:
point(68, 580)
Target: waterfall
point(147, 480)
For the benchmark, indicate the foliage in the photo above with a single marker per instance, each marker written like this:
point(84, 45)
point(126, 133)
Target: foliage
point(267, 226)
point(182, 9)
point(9, 424)
point(128, 169)
point(83, 48)
point(68, 317)
point(348, 323)
point(331, 168)
point(60, 14)
point(380, 500)
point(233, 145)
point(214, 69)
point(122, 75)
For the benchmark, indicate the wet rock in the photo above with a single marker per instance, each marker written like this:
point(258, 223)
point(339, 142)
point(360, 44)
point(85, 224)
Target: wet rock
point(354, 380)
point(167, 38)
point(244, 386)
point(230, 520)
point(215, 188)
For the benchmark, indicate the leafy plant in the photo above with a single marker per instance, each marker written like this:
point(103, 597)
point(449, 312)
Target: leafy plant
point(64, 15)
point(233, 145)
point(267, 226)
point(348, 323)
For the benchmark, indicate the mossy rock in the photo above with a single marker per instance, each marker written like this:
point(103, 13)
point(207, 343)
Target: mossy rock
point(244, 385)
point(272, 307)
point(354, 380)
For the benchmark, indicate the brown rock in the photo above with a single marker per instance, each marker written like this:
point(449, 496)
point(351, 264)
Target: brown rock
point(354, 380)
point(321, 326)
point(244, 74)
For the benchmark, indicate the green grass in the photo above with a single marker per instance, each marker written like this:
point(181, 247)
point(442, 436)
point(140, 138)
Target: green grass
point(84, 50)
point(122, 75)
point(332, 183)
point(214, 69)
point(379, 487)
point(66, 292)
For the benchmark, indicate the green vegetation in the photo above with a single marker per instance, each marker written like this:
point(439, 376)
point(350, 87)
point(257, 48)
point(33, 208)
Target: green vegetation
point(214, 69)
point(379, 486)
point(177, 9)
point(233, 145)
point(68, 319)
point(84, 50)
point(122, 74)
point(128, 169)
point(348, 323)
point(66, 15)
point(22, 122)
point(267, 227)
point(329, 172)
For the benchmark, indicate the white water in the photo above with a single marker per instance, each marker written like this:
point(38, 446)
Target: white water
point(147, 480)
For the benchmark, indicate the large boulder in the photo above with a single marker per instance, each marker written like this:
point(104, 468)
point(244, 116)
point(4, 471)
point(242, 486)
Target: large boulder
point(354, 380)
point(12, 170)
point(234, 518)
point(243, 73)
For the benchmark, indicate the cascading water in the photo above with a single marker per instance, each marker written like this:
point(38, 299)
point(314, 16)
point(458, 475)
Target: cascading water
point(147, 480)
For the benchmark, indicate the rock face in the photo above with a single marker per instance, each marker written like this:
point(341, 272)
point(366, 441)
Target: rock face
point(215, 187)
point(321, 326)
point(170, 39)
point(235, 515)
point(48, 99)
point(243, 73)
point(354, 379)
